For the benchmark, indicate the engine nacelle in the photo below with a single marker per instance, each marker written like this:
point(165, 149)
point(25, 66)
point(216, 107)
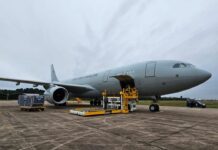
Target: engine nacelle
point(56, 95)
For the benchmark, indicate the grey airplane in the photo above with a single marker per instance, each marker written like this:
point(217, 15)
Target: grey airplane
point(150, 78)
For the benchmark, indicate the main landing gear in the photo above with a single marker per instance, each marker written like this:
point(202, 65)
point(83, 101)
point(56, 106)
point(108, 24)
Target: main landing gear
point(95, 102)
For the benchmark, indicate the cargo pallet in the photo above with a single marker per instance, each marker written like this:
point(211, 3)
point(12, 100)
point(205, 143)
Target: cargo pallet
point(30, 108)
point(31, 102)
point(97, 112)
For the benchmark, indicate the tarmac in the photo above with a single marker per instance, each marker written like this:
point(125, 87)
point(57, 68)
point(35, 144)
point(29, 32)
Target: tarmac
point(172, 128)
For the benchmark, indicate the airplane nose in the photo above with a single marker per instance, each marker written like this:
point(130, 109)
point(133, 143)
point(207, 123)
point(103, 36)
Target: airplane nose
point(204, 75)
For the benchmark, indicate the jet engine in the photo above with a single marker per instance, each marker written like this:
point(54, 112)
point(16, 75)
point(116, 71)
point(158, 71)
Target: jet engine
point(56, 95)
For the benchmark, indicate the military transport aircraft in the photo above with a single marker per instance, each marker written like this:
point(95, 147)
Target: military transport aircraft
point(150, 78)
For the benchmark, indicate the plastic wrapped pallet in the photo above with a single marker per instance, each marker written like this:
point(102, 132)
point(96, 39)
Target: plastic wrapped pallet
point(31, 100)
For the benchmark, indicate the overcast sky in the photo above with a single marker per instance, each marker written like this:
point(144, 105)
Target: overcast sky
point(86, 36)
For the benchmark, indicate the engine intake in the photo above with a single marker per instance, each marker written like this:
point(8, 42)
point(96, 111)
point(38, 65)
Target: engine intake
point(56, 95)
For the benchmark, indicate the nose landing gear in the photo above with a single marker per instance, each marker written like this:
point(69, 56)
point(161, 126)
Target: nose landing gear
point(154, 108)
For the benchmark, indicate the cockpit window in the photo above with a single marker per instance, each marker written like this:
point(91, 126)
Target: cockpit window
point(182, 65)
point(190, 65)
point(176, 66)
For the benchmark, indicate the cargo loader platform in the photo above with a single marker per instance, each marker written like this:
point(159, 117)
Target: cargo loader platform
point(112, 105)
point(96, 112)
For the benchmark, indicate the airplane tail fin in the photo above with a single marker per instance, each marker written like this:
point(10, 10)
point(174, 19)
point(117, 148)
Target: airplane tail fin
point(53, 74)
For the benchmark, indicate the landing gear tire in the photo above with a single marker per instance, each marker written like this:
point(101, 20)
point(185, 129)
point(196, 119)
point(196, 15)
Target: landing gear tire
point(129, 107)
point(99, 103)
point(154, 108)
point(95, 103)
point(92, 103)
point(64, 104)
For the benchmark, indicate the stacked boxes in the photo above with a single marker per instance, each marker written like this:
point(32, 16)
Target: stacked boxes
point(31, 100)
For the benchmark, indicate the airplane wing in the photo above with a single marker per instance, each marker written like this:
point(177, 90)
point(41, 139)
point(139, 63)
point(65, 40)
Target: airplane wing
point(18, 81)
point(70, 87)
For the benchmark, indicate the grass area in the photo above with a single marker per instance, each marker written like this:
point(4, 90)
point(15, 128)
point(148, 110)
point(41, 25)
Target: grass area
point(179, 103)
point(165, 103)
point(211, 104)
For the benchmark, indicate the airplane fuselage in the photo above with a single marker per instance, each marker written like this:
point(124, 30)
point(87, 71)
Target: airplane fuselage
point(151, 78)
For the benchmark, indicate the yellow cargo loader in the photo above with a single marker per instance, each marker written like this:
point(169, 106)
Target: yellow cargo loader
point(112, 105)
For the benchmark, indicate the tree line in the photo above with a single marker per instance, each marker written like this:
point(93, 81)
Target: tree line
point(13, 94)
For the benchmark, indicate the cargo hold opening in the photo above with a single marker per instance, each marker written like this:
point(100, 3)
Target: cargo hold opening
point(125, 81)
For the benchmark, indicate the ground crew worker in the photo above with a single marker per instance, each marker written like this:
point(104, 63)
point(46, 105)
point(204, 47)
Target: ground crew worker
point(105, 103)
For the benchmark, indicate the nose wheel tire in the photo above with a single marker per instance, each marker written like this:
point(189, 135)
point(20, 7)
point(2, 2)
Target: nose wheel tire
point(154, 108)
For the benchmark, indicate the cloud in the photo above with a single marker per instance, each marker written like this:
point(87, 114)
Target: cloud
point(82, 37)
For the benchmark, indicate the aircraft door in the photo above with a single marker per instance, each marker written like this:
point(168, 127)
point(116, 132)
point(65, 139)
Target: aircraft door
point(125, 81)
point(150, 69)
point(106, 76)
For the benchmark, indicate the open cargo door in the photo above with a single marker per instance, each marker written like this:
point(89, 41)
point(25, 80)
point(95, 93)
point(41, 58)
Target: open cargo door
point(125, 81)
